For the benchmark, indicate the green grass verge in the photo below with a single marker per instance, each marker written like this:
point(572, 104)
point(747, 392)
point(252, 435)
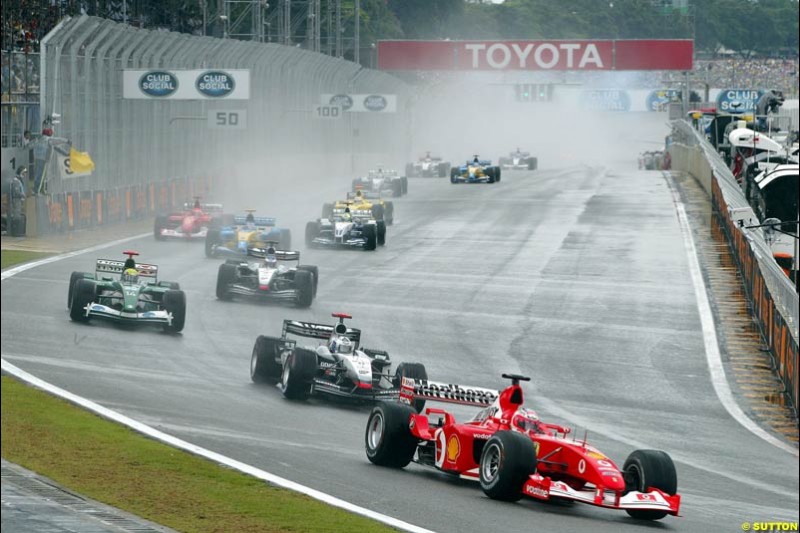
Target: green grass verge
point(117, 466)
point(10, 258)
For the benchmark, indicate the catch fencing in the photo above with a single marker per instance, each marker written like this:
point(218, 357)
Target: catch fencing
point(772, 294)
point(147, 144)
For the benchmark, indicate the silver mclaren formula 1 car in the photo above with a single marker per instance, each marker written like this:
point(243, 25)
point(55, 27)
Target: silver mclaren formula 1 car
point(337, 367)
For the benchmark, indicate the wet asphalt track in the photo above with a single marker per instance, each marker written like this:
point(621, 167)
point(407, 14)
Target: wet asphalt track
point(575, 276)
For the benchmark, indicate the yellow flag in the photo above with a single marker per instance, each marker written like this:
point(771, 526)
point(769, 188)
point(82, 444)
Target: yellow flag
point(80, 162)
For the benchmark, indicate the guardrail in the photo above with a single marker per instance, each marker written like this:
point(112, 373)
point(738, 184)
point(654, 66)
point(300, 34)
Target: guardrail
point(772, 294)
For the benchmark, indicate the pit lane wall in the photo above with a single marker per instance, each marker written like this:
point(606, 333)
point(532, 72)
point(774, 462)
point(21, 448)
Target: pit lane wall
point(771, 293)
point(146, 144)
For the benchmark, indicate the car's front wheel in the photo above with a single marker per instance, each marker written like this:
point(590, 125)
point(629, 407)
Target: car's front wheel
point(507, 459)
point(298, 373)
point(645, 469)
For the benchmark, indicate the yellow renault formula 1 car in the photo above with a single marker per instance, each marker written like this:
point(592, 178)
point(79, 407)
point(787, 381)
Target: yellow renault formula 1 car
point(360, 204)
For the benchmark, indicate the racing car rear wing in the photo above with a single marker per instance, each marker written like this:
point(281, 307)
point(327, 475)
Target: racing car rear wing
point(280, 255)
point(411, 389)
point(258, 221)
point(112, 266)
point(316, 331)
point(204, 207)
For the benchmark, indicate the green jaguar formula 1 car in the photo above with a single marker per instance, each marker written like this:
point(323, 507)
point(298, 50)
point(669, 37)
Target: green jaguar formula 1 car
point(136, 297)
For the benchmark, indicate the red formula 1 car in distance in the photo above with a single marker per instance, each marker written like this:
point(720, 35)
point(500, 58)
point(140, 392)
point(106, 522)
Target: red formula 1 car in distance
point(191, 223)
point(513, 454)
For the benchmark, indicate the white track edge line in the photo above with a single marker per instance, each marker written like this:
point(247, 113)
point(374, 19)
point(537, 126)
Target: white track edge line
point(173, 441)
point(13, 271)
point(208, 454)
point(713, 355)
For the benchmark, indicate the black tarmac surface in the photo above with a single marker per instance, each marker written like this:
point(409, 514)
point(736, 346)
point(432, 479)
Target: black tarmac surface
point(574, 275)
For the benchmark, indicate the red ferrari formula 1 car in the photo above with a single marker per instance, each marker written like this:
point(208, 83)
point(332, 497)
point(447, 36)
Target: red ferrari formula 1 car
point(513, 454)
point(191, 223)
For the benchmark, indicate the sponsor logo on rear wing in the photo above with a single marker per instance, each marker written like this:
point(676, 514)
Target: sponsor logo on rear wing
point(112, 266)
point(445, 392)
point(280, 255)
point(258, 221)
point(316, 331)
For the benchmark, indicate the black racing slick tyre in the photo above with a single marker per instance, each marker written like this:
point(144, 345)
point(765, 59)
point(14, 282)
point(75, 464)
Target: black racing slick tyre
point(404, 181)
point(160, 223)
point(73, 279)
point(370, 233)
point(174, 302)
point(265, 363)
point(304, 285)
point(312, 232)
point(298, 373)
point(454, 175)
point(285, 240)
point(645, 469)
point(533, 163)
point(388, 439)
point(212, 240)
point(507, 459)
point(497, 173)
point(397, 188)
point(409, 170)
point(327, 211)
point(315, 272)
point(444, 169)
point(414, 371)
point(378, 212)
point(381, 230)
point(388, 213)
point(82, 295)
point(490, 174)
point(226, 275)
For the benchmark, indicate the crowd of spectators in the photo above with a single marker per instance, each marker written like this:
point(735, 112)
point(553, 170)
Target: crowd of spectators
point(756, 73)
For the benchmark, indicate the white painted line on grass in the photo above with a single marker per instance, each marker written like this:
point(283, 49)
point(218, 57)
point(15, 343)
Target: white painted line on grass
point(713, 355)
point(208, 454)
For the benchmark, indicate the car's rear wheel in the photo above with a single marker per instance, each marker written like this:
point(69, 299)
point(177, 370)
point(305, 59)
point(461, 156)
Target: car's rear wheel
point(264, 364)
point(507, 459)
point(285, 240)
point(388, 440)
point(298, 373)
point(82, 295)
point(453, 175)
point(404, 181)
point(397, 188)
point(377, 212)
point(226, 275)
point(645, 469)
point(327, 211)
point(174, 302)
point(414, 371)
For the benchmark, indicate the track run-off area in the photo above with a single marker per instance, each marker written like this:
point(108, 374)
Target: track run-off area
point(575, 275)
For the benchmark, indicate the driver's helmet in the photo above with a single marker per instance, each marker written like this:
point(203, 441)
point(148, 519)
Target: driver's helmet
point(526, 420)
point(130, 275)
point(271, 259)
point(346, 216)
point(341, 345)
point(475, 159)
point(196, 204)
point(250, 219)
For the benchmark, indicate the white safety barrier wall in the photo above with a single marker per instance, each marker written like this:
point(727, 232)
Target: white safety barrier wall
point(772, 294)
point(135, 142)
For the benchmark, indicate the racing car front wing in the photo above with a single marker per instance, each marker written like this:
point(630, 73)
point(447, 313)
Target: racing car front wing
point(543, 488)
point(372, 394)
point(145, 317)
point(177, 234)
point(287, 295)
point(474, 179)
point(355, 242)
